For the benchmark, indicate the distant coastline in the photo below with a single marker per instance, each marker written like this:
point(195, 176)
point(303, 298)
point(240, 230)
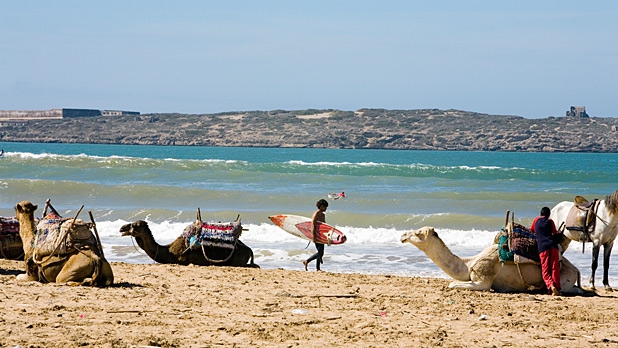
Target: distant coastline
point(422, 129)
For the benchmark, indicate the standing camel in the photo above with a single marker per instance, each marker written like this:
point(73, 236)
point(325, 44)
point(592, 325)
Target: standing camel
point(77, 267)
point(596, 222)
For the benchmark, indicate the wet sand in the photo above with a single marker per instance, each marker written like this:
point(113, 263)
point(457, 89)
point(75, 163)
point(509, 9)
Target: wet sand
point(154, 305)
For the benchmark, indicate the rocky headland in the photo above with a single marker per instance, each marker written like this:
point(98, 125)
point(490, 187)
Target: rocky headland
point(425, 129)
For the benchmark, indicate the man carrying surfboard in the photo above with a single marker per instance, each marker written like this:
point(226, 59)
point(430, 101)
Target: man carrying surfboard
point(318, 216)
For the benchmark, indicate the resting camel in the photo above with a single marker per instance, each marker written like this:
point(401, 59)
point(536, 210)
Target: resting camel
point(11, 246)
point(79, 267)
point(485, 271)
point(177, 253)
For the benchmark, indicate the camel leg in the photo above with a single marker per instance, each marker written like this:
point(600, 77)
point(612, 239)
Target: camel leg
point(607, 251)
point(484, 285)
point(25, 278)
point(78, 270)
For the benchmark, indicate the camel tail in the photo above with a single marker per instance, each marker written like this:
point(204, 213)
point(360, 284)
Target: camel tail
point(251, 263)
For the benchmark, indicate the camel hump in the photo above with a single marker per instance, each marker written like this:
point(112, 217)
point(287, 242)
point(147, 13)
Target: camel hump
point(579, 200)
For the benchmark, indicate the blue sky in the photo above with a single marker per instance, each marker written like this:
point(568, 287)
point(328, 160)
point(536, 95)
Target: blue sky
point(528, 58)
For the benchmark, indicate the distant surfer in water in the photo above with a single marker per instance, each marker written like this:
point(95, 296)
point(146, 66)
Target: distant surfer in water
point(1, 152)
point(337, 195)
point(318, 216)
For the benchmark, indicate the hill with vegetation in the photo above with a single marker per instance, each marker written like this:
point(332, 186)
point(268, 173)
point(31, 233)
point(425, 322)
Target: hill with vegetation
point(425, 129)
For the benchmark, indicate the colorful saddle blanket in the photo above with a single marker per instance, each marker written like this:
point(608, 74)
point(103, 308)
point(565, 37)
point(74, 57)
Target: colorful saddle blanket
point(9, 226)
point(219, 235)
point(52, 236)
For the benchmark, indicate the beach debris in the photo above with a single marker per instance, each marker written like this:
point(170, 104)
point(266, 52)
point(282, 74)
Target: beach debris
point(383, 314)
point(300, 311)
point(483, 317)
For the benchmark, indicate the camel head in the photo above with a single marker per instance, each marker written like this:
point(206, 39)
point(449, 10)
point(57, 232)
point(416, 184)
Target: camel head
point(25, 209)
point(138, 228)
point(419, 237)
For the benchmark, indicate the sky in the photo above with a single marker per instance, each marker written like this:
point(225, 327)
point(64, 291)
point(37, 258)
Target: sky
point(527, 58)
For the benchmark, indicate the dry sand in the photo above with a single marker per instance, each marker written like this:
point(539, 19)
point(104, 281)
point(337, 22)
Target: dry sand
point(186, 306)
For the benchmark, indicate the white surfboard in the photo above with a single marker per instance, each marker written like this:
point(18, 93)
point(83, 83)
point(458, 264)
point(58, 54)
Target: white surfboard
point(300, 226)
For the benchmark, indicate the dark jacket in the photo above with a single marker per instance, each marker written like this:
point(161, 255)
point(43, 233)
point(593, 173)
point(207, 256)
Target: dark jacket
point(546, 233)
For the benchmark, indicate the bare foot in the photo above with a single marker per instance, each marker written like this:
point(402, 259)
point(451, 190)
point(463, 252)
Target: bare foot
point(305, 264)
point(319, 270)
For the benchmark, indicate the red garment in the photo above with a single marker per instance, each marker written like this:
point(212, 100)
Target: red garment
point(548, 251)
point(550, 267)
point(545, 231)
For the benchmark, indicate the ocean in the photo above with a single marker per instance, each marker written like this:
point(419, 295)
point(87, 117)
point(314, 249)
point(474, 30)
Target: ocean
point(464, 195)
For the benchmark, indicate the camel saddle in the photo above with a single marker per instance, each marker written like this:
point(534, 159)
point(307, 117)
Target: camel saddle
point(518, 244)
point(522, 242)
point(582, 217)
point(53, 236)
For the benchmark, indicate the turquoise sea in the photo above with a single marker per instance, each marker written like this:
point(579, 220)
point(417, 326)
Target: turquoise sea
point(464, 195)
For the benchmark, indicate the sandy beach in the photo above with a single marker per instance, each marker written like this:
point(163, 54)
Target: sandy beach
point(155, 305)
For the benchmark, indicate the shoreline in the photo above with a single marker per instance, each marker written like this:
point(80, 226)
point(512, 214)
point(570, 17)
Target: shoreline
point(156, 305)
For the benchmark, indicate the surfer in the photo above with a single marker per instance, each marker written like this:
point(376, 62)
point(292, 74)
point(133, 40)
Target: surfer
point(336, 196)
point(318, 216)
point(1, 152)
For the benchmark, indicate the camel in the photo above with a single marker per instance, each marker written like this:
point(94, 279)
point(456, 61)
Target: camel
point(177, 253)
point(11, 247)
point(79, 267)
point(485, 271)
